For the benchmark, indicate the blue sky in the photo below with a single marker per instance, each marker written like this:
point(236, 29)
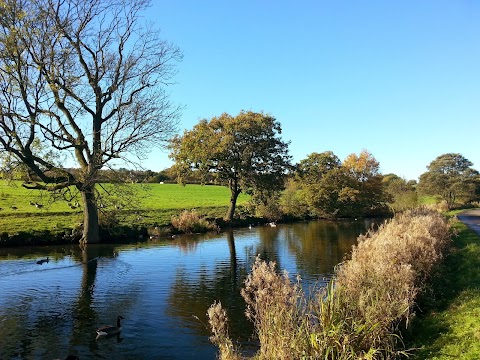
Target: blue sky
point(398, 78)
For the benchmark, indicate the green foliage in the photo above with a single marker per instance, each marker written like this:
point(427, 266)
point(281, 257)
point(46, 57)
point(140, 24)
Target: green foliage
point(332, 189)
point(449, 327)
point(292, 201)
point(401, 195)
point(315, 166)
point(451, 177)
point(245, 153)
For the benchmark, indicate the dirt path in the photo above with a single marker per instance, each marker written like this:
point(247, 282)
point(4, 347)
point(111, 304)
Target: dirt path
point(471, 218)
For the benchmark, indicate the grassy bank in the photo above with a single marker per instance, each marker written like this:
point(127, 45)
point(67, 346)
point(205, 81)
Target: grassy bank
point(152, 204)
point(449, 327)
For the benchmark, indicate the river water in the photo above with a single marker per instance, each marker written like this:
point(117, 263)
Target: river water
point(162, 289)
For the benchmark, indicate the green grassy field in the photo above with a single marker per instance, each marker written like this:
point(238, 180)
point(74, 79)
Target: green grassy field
point(449, 328)
point(151, 204)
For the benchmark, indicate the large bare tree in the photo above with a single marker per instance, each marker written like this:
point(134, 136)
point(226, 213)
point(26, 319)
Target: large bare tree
point(86, 78)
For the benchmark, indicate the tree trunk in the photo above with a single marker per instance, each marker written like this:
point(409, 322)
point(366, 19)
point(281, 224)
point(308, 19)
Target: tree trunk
point(233, 204)
point(91, 231)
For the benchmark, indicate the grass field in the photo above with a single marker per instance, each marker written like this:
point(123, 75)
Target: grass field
point(151, 204)
point(449, 328)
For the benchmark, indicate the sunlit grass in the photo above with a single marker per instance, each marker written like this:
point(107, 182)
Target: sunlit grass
point(428, 200)
point(450, 328)
point(153, 204)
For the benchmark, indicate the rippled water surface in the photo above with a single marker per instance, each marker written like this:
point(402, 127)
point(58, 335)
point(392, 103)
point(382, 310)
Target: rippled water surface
point(162, 289)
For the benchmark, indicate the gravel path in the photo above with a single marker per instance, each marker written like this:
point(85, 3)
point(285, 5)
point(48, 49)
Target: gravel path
point(471, 218)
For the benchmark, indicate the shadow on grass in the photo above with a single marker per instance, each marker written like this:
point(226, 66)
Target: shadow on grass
point(455, 282)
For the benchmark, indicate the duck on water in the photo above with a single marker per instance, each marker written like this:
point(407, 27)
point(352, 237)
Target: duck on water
point(110, 329)
point(40, 262)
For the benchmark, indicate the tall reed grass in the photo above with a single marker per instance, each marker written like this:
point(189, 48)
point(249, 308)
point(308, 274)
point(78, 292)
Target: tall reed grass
point(189, 221)
point(360, 314)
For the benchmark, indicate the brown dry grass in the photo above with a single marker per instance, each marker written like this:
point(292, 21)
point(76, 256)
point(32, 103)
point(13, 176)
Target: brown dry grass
point(359, 315)
point(189, 221)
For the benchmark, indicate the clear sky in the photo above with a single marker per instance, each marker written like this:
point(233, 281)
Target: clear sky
point(399, 78)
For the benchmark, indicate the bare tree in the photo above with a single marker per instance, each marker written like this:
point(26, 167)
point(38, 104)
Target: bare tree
point(87, 78)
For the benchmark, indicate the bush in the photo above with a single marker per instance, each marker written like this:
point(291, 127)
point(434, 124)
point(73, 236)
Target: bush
point(358, 316)
point(190, 222)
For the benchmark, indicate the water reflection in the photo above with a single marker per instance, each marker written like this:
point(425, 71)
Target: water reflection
point(162, 289)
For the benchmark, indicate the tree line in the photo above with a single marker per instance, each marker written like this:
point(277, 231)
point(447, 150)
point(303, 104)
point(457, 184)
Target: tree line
point(246, 154)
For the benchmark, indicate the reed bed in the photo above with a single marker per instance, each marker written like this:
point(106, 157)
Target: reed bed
point(189, 222)
point(360, 314)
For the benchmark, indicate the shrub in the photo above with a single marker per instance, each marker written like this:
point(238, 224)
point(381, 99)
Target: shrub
point(358, 316)
point(190, 222)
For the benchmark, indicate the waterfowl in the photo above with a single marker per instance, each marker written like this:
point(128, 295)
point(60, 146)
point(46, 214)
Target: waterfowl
point(40, 262)
point(272, 224)
point(109, 329)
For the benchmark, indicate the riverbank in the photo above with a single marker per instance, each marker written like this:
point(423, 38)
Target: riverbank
point(447, 326)
point(30, 217)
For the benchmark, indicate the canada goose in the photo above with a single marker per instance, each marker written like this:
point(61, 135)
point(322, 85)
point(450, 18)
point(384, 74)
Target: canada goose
point(40, 262)
point(13, 207)
point(38, 206)
point(109, 329)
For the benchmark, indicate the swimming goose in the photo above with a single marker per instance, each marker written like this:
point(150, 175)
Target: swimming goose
point(109, 329)
point(40, 262)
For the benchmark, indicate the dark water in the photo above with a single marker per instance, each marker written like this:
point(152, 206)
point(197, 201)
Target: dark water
point(162, 289)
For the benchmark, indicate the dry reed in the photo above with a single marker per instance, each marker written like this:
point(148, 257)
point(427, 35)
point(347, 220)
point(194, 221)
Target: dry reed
point(358, 316)
point(189, 221)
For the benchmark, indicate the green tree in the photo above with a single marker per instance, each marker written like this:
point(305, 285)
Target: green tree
point(321, 179)
point(335, 189)
point(245, 153)
point(87, 79)
point(311, 169)
point(401, 195)
point(451, 177)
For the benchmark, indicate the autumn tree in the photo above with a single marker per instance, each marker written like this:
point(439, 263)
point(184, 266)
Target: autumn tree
point(332, 188)
point(365, 194)
point(87, 79)
point(451, 177)
point(245, 152)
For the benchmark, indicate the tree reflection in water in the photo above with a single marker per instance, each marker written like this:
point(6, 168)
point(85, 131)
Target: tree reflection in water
point(163, 288)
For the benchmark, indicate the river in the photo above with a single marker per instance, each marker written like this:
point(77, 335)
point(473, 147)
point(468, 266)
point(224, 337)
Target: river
point(162, 288)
